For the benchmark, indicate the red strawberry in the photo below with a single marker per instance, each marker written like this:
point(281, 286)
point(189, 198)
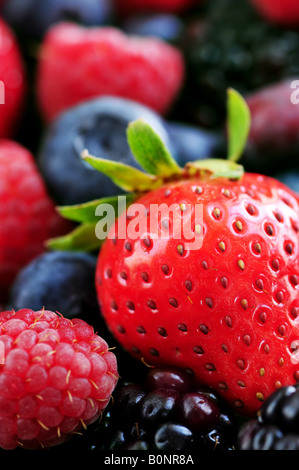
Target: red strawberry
point(12, 81)
point(285, 12)
point(172, 6)
point(225, 310)
point(28, 215)
point(56, 377)
point(107, 63)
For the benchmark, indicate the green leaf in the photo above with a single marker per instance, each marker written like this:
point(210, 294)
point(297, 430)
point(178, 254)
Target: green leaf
point(150, 151)
point(239, 121)
point(216, 167)
point(126, 177)
point(82, 238)
point(86, 212)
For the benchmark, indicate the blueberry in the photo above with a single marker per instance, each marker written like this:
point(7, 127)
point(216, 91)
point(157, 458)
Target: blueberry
point(199, 412)
point(34, 17)
point(195, 143)
point(164, 26)
point(58, 281)
point(98, 125)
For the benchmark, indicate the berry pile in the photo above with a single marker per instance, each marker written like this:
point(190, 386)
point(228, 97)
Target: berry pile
point(166, 412)
point(276, 427)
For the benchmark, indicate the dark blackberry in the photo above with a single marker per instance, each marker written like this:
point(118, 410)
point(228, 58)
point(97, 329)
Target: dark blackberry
point(230, 45)
point(166, 412)
point(276, 426)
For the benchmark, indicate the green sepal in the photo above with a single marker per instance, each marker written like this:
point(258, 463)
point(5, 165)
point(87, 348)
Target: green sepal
point(86, 212)
point(82, 238)
point(150, 151)
point(126, 177)
point(238, 124)
point(216, 168)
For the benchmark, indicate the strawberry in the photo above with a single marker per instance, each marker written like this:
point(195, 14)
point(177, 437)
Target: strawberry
point(222, 306)
point(108, 62)
point(284, 12)
point(12, 81)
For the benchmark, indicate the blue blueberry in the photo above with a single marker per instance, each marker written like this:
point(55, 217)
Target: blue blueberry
point(194, 143)
point(58, 281)
point(34, 17)
point(98, 125)
point(164, 26)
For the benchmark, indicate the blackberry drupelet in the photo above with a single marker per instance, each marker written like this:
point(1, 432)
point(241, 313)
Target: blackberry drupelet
point(276, 426)
point(230, 45)
point(166, 412)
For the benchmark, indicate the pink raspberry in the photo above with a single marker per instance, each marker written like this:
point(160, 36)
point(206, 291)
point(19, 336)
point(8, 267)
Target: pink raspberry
point(56, 377)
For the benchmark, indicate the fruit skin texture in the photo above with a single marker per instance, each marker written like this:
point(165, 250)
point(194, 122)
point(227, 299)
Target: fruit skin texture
point(13, 80)
point(266, 104)
point(284, 12)
point(108, 62)
point(28, 214)
point(227, 311)
point(57, 377)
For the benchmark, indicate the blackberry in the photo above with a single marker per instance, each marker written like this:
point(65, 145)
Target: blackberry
point(166, 412)
point(276, 426)
point(230, 45)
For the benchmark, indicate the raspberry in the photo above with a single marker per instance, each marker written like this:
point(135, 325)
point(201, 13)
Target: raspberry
point(12, 81)
point(108, 62)
point(56, 377)
point(27, 213)
point(271, 145)
point(166, 411)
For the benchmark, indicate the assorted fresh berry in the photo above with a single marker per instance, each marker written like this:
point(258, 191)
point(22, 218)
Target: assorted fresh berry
point(165, 412)
point(56, 377)
point(108, 62)
point(12, 81)
point(276, 426)
point(28, 214)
